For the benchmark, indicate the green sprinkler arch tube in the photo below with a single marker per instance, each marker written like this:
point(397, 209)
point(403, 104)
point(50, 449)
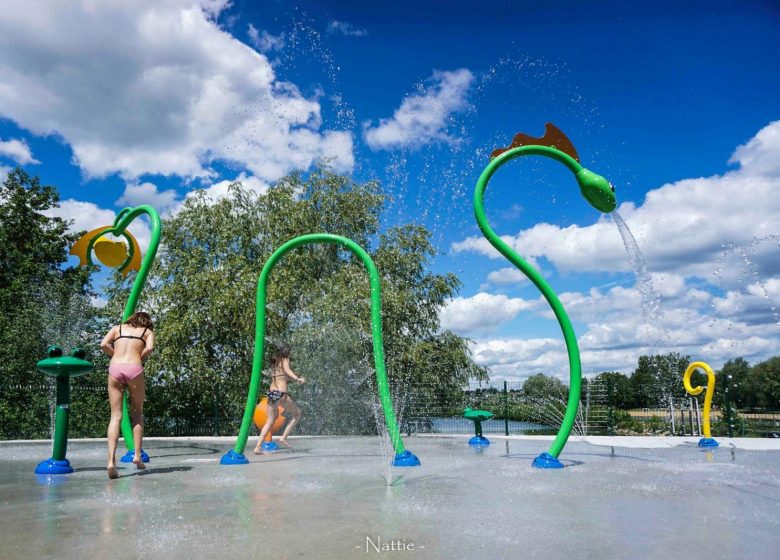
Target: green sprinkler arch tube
point(121, 222)
point(600, 194)
point(403, 458)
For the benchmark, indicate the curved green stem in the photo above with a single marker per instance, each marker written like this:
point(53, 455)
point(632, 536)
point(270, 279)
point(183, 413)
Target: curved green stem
point(122, 220)
point(376, 332)
point(575, 369)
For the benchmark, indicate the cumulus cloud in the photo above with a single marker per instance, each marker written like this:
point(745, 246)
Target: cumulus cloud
point(759, 154)
point(682, 227)
point(151, 87)
point(264, 41)
point(613, 333)
point(482, 312)
point(220, 190)
point(147, 193)
point(508, 275)
point(344, 28)
point(17, 150)
point(423, 118)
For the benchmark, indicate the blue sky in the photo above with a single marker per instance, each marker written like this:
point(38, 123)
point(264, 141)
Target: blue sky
point(134, 102)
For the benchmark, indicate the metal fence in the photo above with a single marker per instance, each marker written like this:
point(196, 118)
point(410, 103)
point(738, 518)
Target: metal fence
point(421, 408)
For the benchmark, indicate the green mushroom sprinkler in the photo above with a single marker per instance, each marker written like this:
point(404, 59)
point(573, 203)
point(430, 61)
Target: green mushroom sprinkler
point(601, 195)
point(62, 368)
point(478, 416)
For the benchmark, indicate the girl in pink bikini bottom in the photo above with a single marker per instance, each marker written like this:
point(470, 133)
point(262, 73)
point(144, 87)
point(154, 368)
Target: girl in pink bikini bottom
point(124, 373)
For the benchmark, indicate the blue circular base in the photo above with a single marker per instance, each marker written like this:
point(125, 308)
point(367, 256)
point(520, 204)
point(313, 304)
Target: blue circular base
point(406, 459)
point(233, 458)
point(707, 442)
point(547, 461)
point(270, 446)
point(128, 457)
point(50, 466)
point(479, 440)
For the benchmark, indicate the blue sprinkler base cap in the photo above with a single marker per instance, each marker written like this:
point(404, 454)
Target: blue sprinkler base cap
point(479, 440)
point(128, 457)
point(406, 459)
point(707, 442)
point(233, 458)
point(270, 446)
point(547, 461)
point(50, 466)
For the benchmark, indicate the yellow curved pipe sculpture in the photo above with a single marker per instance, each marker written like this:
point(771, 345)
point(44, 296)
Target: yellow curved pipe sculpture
point(707, 440)
point(113, 254)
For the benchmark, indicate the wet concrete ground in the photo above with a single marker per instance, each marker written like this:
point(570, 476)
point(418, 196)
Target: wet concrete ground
point(335, 498)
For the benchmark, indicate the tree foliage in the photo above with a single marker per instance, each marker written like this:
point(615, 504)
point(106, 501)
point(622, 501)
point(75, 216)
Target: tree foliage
point(202, 293)
point(41, 301)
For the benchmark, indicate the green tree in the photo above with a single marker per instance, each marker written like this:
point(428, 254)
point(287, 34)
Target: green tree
point(544, 387)
point(41, 301)
point(202, 294)
point(658, 378)
point(734, 376)
point(763, 384)
point(618, 389)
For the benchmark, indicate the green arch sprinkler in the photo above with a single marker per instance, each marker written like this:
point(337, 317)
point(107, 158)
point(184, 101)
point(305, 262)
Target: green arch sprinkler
point(123, 258)
point(62, 368)
point(601, 195)
point(403, 457)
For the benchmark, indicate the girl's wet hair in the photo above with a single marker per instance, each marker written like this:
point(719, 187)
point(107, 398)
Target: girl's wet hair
point(140, 319)
point(279, 352)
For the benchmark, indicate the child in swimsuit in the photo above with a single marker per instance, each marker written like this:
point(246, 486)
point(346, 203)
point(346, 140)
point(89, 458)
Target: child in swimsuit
point(277, 392)
point(128, 344)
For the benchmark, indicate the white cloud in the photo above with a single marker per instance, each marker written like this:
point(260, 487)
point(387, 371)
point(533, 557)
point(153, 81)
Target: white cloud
point(4, 171)
point(344, 28)
point(264, 41)
point(482, 312)
point(507, 275)
point(423, 118)
point(17, 150)
point(682, 227)
point(147, 193)
point(760, 154)
point(612, 332)
point(220, 190)
point(150, 87)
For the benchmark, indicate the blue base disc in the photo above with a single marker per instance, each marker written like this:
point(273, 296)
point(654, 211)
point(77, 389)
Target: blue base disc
point(50, 466)
point(233, 458)
point(707, 442)
point(406, 459)
point(547, 461)
point(128, 457)
point(270, 446)
point(479, 440)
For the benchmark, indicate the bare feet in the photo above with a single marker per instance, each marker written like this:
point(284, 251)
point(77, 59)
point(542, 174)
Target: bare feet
point(258, 451)
point(112, 472)
point(139, 463)
point(284, 443)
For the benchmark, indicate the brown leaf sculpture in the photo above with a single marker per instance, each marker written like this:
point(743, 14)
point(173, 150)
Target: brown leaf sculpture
point(553, 137)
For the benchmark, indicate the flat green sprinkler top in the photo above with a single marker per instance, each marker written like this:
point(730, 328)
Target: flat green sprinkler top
point(58, 365)
point(477, 414)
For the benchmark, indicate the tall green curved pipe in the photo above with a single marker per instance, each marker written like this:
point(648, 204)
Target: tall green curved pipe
point(402, 456)
point(600, 194)
point(122, 220)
